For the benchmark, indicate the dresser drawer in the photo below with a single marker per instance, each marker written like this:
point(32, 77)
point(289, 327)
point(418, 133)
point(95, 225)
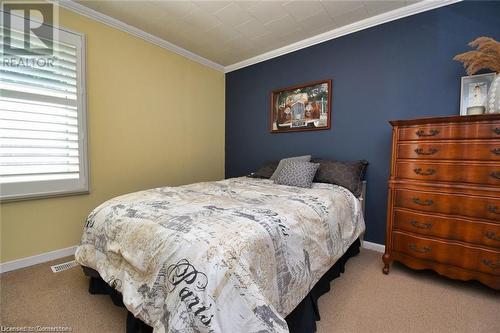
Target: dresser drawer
point(449, 203)
point(486, 151)
point(449, 172)
point(468, 257)
point(456, 131)
point(447, 227)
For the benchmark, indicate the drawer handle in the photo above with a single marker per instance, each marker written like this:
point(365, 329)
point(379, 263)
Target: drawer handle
point(428, 172)
point(491, 264)
point(432, 132)
point(491, 235)
point(414, 247)
point(496, 151)
point(420, 202)
point(495, 174)
point(493, 209)
point(430, 151)
point(420, 225)
point(496, 130)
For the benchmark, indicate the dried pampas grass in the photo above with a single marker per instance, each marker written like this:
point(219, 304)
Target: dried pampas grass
point(486, 56)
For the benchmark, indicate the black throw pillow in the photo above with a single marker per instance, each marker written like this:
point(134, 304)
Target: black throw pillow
point(348, 174)
point(266, 170)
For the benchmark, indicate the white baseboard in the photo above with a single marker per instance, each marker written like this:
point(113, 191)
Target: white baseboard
point(374, 246)
point(69, 251)
point(37, 259)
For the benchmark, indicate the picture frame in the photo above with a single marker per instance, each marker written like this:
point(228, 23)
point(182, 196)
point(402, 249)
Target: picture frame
point(474, 92)
point(304, 107)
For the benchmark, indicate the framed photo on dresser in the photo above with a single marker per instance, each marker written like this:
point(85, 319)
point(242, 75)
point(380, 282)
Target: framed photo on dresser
point(474, 93)
point(305, 107)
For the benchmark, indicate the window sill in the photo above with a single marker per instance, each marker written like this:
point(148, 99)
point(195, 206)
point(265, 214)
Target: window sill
point(43, 196)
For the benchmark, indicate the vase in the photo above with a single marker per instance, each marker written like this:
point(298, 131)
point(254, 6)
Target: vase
point(493, 100)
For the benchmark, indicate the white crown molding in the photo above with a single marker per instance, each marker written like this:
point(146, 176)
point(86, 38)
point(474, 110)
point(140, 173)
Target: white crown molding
point(395, 14)
point(37, 259)
point(413, 9)
point(112, 22)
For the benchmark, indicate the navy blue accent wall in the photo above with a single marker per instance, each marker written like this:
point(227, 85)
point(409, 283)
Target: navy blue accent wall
point(399, 70)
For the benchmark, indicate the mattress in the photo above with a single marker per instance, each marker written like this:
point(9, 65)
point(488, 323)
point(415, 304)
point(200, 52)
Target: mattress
point(228, 256)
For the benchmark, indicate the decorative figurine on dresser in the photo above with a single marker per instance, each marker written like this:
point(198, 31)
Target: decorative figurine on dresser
point(444, 197)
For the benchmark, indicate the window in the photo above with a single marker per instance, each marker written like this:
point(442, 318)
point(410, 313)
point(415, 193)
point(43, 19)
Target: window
point(43, 144)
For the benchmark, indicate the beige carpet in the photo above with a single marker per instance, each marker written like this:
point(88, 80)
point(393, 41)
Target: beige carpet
point(362, 300)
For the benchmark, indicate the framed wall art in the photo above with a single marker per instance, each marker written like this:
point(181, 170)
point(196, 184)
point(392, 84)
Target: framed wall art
point(305, 107)
point(474, 93)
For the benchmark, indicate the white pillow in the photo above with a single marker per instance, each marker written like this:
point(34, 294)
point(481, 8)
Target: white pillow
point(305, 158)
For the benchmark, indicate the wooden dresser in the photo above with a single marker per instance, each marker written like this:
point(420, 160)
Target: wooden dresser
point(444, 197)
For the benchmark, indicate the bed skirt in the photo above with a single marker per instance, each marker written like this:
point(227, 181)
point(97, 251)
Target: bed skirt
point(301, 320)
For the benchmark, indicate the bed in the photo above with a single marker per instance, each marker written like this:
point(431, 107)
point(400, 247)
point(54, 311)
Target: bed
point(237, 255)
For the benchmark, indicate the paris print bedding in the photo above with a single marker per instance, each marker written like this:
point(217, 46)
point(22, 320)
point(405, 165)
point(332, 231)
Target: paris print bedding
point(236, 255)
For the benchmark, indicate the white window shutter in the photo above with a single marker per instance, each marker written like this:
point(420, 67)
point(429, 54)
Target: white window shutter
point(43, 148)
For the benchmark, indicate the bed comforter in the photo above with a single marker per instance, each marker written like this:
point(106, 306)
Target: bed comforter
point(236, 255)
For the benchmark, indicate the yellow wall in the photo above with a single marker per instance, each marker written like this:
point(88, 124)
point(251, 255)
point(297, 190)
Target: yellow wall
point(154, 119)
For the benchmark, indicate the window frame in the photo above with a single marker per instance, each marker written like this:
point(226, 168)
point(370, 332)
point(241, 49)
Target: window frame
point(18, 191)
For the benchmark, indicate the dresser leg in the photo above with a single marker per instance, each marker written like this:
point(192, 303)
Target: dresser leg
point(386, 258)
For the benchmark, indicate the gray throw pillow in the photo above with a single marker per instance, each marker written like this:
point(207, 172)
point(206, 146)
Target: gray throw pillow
point(347, 174)
point(297, 173)
point(305, 158)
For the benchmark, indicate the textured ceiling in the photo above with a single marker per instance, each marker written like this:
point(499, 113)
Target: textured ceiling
point(228, 32)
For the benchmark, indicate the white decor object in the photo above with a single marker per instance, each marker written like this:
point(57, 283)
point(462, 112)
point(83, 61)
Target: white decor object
point(493, 100)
